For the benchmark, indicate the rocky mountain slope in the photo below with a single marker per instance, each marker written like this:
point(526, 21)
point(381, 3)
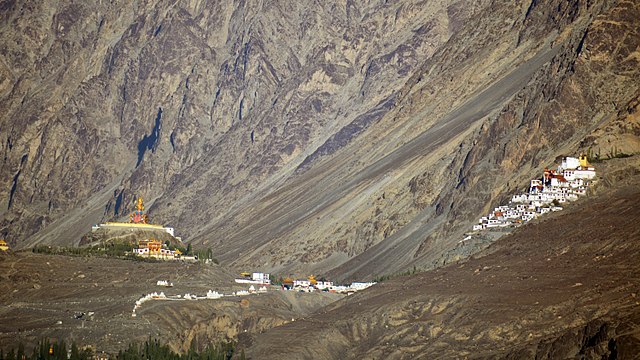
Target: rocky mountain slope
point(563, 287)
point(352, 138)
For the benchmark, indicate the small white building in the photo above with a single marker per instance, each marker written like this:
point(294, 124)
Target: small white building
point(587, 174)
point(493, 223)
point(258, 276)
point(301, 283)
point(141, 251)
point(321, 285)
point(568, 162)
point(576, 168)
point(559, 181)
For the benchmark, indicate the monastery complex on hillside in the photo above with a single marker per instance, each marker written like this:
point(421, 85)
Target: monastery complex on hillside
point(570, 181)
point(153, 248)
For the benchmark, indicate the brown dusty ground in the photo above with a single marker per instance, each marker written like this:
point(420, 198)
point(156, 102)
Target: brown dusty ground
point(566, 286)
point(40, 296)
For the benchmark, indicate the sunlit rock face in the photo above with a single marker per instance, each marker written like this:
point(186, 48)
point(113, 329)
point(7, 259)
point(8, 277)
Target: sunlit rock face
point(349, 137)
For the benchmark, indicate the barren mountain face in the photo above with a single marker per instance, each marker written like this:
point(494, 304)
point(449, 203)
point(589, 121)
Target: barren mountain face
point(352, 138)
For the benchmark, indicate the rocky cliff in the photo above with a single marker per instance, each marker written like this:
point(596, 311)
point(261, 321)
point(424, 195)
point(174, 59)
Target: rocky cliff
point(358, 136)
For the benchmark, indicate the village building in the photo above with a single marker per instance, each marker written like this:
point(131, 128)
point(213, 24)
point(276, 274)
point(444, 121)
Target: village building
point(324, 285)
point(256, 278)
point(301, 283)
point(311, 283)
point(156, 249)
point(287, 283)
point(152, 245)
